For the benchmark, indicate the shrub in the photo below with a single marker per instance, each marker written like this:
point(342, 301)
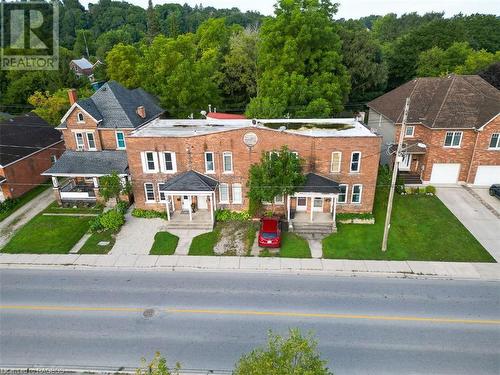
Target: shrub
point(415, 190)
point(122, 207)
point(351, 216)
point(8, 204)
point(400, 186)
point(95, 224)
point(112, 219)
point(254, 207)
point(227, 215)
point(429, 189)
point(148, 214)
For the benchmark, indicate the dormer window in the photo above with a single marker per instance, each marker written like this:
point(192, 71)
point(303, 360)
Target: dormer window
point(79, 117)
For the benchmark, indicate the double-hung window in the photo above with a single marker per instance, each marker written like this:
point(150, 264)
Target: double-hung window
point(237, 195)
point(355, 161)
point(80, 145)
point(495, 141)
point(161, 192)
point(224, 193)
point(279, 199)
point(149, 162)
point(91, 141)
point(168, 162)
point(209, 162)
point(227, 159)
point(336, 159)
point(120, 141)
point(356, 193)
point(342, 197)
point(453, 139)
point(149, 192)
point(409, 131)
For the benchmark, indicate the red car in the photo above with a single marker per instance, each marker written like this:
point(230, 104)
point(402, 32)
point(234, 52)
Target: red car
point(269, 233)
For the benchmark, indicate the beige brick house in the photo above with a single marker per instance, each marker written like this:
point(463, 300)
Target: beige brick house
point(453, 130)
point(177, 165)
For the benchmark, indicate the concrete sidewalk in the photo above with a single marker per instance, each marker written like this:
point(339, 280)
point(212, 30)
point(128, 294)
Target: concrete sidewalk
point(448, 270)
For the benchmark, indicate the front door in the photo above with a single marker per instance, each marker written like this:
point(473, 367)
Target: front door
point(185, 203)
point(301, 204)
point(405, 163)
point(202, 202)
point(318, 205)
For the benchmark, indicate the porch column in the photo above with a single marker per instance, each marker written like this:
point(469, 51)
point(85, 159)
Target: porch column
point(288, 207)
point(173, 203)
point(55, 182)
point(215, 204)
point(334, 203)
point(168, 208)
point(96, 182)
point(190, 199)
point(312, 207)
point(211, 208)
point(331, 205)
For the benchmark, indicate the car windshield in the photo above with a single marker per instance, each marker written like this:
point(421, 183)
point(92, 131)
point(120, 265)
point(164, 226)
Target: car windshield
point(269, 235)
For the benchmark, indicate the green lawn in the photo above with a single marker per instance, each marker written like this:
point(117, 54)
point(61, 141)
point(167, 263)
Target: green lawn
point(48, 235)
point(23, 199)
point(165, 244)
point(422, 229)
point(91, 245)
point(292, 246)
point(54, 208)
point(204, 243)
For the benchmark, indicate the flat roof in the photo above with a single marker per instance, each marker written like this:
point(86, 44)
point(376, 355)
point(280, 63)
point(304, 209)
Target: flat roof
point(331, 127)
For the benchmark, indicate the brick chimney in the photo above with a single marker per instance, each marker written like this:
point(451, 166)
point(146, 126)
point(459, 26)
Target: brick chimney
point(141, 111)
point(73, 96)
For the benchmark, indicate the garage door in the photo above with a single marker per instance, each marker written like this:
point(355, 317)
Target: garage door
point(487, 175)
point(445, 173)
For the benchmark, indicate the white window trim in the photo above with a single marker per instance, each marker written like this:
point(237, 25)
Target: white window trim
point(82, 146)
point(452, 138)
point(220, 193)
point(359, 162)
point(346, 194)
point(240, 200)
point(296, 153)
point(117, 143)
point(360, 193)
point(497, 147)
point(160, 192)
point(146, 193)
point(340, 162)
point(224, 154)
point(206, 163)
point(163, 166)
point(88, 142)
point(412, 127)
point(78, 118)
point(145, 168)
point(280, 202)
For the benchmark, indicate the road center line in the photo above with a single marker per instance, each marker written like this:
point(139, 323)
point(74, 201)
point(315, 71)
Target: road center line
point(253, 313)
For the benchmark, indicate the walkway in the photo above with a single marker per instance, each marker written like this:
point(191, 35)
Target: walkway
point(475, 216)
point(185, 238)
point(23, 215)
point(332, 267)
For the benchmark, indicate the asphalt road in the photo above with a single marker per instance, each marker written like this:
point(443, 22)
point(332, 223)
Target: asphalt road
point(207, 320)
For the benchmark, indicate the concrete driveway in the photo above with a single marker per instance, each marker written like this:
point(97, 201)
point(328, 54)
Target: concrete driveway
point(477, 214)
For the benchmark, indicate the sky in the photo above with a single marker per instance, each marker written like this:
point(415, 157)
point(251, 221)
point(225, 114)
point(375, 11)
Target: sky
point(353, 8)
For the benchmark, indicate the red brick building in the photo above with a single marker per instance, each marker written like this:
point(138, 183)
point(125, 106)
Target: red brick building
point(453, 129)
point(177, 165)
point(28, 146)
point(94, 132)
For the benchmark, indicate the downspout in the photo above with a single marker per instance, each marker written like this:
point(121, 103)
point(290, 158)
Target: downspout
point(473, 154)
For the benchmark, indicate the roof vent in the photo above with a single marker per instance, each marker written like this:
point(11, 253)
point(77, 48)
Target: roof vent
point(141, 111)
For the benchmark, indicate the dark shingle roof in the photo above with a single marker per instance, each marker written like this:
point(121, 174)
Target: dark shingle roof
point(454, 102)
point(115, 106)
point(23, 135)
point(90, 163)
point(319, 184)
point(190, 181)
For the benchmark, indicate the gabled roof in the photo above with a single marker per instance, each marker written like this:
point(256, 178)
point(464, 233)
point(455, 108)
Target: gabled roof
point(190, 181)
point(452, 102)
point(319, 184)
point(82, 63)
point(114, 106)
point(95, 163)
point(23, 135)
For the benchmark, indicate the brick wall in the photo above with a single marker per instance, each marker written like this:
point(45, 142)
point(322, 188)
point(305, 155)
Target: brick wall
point(24, 174)
point(483, 155)
point(316, 153)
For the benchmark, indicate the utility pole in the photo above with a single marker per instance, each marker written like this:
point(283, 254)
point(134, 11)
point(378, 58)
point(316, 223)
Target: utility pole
point(395, 175)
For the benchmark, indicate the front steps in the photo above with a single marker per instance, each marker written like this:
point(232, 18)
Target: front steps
point(410, 178)
point(189, 225)
point(313, 230)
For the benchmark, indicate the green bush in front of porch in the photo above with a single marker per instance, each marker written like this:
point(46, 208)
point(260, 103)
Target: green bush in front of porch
point(422, 229)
